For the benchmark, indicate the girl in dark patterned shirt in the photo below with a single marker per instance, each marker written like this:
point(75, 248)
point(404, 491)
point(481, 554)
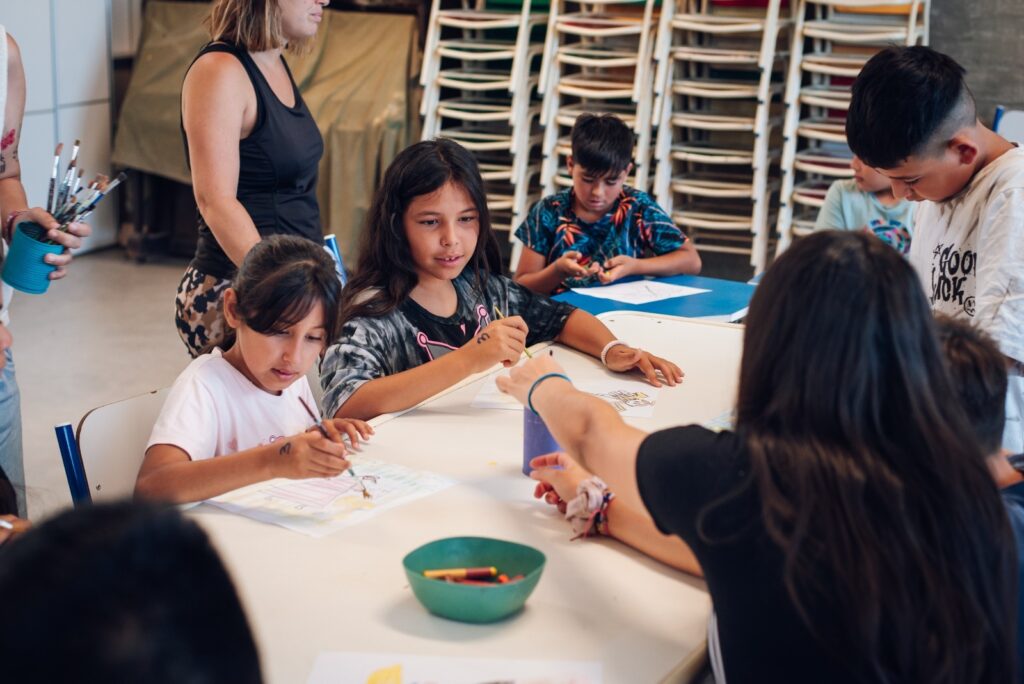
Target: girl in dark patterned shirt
point(416, 320)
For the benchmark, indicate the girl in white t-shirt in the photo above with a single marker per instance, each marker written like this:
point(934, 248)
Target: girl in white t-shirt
point(245, 405)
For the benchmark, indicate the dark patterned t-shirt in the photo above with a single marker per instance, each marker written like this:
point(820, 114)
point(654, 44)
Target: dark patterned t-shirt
point(636, 226)
point(373, 347)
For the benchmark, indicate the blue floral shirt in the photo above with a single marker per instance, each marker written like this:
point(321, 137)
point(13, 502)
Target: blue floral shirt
point(636, 226)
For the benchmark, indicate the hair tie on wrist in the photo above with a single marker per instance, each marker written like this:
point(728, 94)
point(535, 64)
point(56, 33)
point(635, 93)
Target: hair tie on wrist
point(608, 348)
point(529, 395)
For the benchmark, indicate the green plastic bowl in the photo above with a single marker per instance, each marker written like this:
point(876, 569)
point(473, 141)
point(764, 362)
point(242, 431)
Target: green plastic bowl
point(467, 602)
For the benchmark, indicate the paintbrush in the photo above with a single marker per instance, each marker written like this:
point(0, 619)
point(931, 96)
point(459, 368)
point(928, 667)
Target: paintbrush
point(323, 431)
point(50, 206)
point(500, 315)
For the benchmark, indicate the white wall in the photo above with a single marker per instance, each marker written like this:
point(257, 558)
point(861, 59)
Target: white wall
point(66, 48)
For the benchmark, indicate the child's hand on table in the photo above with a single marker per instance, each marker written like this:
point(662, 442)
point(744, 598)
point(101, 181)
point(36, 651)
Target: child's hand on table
point(616, 268)
point(558, 476)
point(309, 455)
point(502, 341)
point(621, 359)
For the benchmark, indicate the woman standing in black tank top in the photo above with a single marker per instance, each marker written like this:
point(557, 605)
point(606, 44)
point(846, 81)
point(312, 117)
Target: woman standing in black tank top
point(253, 149)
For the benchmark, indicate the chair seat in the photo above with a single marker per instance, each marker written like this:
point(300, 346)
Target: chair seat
point(828, 96)
point(709, 218)
point(717, 24)
point(721, 89)
point(707, 154)
point(855, 32)
point(600, 24)
point(846, 65)
point(479, 79)
point(811, 193)
point(484, 50)
point(597, 56)
point(701, 185)
point(709, 55)
point(579, 85)
point(478, 20)
point(831, 129)
point(470, 109)
point(706, 121)
point(823, 162)
point(568, 114)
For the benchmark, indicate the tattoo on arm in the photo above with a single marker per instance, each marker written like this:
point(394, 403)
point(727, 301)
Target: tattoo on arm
point(285, 449)
point(483, 338)
point(5, 142)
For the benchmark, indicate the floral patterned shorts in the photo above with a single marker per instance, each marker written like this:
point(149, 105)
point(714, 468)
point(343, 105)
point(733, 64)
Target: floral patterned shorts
point(198, 309)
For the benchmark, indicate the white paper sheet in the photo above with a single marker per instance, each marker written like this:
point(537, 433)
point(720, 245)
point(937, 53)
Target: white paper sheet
point(639, 291)
point(633, 399)
point(399, 668)
point(318, 507)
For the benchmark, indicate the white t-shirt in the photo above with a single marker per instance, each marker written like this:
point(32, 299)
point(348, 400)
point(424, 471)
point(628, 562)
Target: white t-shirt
point(213, 410)
point(969, 253)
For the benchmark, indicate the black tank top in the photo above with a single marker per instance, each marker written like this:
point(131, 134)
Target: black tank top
point(277, 172)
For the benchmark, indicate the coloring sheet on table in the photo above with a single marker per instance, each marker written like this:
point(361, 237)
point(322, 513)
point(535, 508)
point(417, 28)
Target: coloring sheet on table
point(318, 507)
point(639, 291)
point(631, 398)
point(403, 668)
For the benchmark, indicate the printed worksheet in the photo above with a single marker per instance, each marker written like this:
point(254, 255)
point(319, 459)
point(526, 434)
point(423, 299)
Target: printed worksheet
point(318, 507)
point(639, 291)
point(403, 668)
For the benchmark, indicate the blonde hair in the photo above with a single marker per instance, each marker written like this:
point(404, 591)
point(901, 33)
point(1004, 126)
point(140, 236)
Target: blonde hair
point(251, 24)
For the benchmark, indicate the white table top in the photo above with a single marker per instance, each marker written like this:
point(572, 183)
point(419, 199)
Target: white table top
point(597, 600)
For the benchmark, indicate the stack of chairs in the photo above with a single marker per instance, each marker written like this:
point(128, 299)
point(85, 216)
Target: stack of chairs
point(832, 40)
point(598, 58)
point(722, 78)
point(480, 78)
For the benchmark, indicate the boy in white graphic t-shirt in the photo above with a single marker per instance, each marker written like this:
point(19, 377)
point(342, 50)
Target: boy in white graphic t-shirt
point(913, 118)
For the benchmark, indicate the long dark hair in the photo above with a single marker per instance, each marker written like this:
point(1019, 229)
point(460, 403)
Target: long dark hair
point(870, 479)
point(385, 275)
point(281, 279)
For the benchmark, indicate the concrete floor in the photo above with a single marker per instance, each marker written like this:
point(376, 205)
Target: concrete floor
point(104, 333)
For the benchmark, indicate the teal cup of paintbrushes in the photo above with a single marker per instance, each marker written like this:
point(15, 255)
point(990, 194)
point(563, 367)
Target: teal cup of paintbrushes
point(24, 268)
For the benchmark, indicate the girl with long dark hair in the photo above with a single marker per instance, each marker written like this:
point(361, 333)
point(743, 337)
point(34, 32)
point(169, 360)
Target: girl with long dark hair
point(427, 308)
point(848, 528)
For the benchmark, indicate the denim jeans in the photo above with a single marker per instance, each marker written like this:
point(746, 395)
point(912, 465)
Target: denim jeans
point(11, 458)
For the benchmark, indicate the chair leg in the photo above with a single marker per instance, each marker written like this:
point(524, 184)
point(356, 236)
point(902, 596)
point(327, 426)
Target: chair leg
point(73, 467)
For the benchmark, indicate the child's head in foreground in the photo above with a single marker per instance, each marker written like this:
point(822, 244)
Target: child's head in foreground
point(913, 118)
point(602, 157)
point(121, 592)
point(978, 371)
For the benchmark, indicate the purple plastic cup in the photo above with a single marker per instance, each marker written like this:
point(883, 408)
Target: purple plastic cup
point(537, 439)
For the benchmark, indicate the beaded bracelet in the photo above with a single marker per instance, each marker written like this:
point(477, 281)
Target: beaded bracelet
point(529, 395)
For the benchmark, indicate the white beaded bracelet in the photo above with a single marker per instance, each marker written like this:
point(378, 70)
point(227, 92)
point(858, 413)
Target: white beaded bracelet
point(608, 348)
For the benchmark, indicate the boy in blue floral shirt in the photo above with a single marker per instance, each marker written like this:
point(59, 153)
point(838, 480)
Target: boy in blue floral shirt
point(600, 230)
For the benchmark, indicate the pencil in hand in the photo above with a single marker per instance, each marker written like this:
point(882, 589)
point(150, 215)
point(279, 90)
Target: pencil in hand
point(323, 431)
point(497, 312)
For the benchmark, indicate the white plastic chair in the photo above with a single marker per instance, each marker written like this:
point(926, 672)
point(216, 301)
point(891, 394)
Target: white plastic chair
point(1009, 123)
point(103, 455)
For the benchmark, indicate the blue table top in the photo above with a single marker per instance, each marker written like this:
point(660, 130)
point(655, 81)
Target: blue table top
point(726, 300)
